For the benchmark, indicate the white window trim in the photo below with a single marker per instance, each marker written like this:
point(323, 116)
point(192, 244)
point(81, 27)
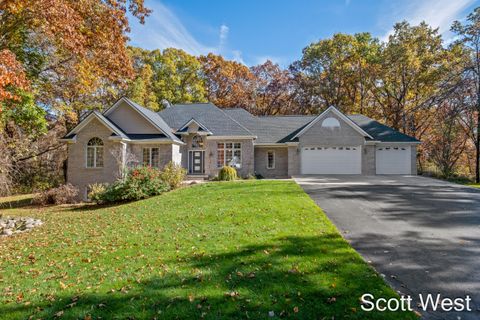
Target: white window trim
point(225, 152)
point(95, 166)
point(150, 160)
point(273, 152)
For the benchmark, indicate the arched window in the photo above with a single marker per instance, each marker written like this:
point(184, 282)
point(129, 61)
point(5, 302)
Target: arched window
point(95, 153)
point(330, 123)
point(197, 142)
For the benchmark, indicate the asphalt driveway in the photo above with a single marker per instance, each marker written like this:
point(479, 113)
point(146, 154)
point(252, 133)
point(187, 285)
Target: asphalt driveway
point(421, 234)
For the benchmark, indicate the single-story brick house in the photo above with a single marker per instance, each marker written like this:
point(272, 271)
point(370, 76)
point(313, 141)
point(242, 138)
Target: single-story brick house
point(203, 138)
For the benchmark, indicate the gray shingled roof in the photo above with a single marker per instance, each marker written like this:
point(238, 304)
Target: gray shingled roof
point(278, 129)
point(269, 129)
point(380, 132)
point(216, 120)
point(239, 122)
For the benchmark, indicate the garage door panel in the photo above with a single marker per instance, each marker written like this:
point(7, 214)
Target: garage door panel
point(331, 160)
point(393, 160)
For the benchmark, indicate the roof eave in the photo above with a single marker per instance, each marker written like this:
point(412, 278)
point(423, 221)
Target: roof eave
point(98, 116)
point(153, 141)
point(68, 140)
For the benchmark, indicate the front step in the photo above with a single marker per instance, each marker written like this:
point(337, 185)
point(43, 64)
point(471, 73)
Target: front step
point(192, 177)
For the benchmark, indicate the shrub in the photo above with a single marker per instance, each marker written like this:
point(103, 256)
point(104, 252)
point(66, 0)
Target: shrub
point(96, 191)
point(143, 182)
point(173, 175)
point(113, 193)
point(139, 183)
point(227, 174)
point(63, 194)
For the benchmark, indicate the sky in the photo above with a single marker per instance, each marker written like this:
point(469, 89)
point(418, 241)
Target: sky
point(253, 31)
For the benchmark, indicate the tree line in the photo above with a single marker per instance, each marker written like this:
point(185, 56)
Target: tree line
point(60, 59)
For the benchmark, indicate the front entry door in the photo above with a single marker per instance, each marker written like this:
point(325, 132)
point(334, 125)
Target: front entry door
point(197, 162)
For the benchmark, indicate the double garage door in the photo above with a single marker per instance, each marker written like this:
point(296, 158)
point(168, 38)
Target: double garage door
point(331, 160)
point(348, 160)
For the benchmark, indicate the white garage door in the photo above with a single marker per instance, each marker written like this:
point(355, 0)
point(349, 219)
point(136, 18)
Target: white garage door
point(393, 160)
point(331, 160)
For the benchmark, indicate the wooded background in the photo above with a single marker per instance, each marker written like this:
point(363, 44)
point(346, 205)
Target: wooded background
point(60, 59)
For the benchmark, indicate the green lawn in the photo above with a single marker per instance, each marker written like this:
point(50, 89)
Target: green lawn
point(216, 250)
point(475, 185)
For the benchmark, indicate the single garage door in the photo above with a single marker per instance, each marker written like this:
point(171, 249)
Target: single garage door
point(331, 160)
point(393, 160)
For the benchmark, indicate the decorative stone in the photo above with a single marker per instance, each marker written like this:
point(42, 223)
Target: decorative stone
point(10, 226)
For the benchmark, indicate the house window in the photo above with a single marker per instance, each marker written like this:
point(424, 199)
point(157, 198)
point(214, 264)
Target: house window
point(95, 153)
point(229, 154)
point(270, 159)
point(151, 157)
point(197, 142)
point(330, 123)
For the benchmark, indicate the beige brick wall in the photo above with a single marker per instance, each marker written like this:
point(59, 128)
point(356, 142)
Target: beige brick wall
point(77, 172)
point(293, 161)
point(165, 152)
point(320, 136)
point(368, 160)
point(345, 136)
point(247, 168)
point(281, 162)
point(414, 159)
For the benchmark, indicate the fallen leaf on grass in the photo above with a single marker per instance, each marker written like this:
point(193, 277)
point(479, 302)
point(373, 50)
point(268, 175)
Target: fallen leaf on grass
point(232, 294)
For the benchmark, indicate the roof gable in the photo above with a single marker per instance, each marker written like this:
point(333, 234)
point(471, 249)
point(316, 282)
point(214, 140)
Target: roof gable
point(152, 118)
point(103, 120)
point(340, 115)
point(201, 128)
point(130, 120)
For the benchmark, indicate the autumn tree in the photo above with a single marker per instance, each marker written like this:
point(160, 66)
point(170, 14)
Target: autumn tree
point(73, 48)
point(469, 36)
point(273, 89)
point(229, 83)
point(141, 88)
point(411, 69)
point(59, 56)
point(336, 71)
point(446, 141)
point(12, 76)
point(177, 76)
point(171, 74)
